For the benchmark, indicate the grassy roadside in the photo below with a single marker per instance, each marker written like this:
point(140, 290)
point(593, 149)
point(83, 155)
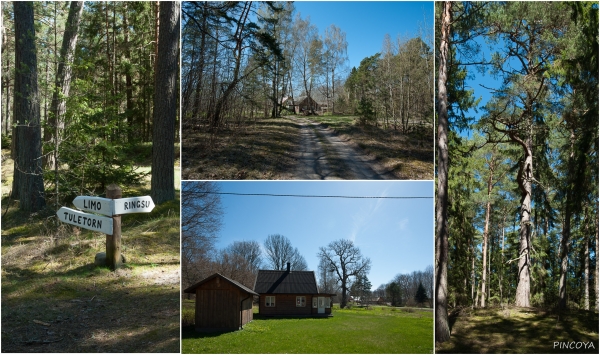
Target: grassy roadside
point(260, 150)
point(54, 299)
point(520, 330)
point(357, 330)
point(407, 156)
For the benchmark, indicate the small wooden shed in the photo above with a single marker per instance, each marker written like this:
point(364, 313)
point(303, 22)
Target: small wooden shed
point(222, 304)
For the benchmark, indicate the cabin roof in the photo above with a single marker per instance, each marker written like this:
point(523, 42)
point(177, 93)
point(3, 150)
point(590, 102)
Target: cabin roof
point(192, 289)
point(276, 281)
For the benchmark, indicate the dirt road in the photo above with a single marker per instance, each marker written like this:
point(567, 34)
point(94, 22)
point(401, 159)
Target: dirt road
point(322, 155)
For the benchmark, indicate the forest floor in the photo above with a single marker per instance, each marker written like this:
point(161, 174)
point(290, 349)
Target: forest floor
point(317, 147)
point(521, 330)
point(54, 299)
point(258, 150)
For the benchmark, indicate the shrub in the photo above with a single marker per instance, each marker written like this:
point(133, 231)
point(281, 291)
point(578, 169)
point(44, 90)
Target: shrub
point(187, 317)
point(6, 140)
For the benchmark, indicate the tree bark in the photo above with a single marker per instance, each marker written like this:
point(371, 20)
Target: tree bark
point(566, 233)
point(165, 104)
point(596, 271)
point(524, 178)
point(62, 86)
point(488, 207)
point(128, 79)
point(586, 254)
point(28, 183)
point(442, 327)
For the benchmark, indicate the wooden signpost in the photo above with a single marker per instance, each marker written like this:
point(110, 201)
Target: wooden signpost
point(112, 206)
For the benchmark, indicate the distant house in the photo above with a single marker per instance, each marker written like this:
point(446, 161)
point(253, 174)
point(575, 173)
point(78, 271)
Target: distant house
point(301, 104)
point(290, 293)
point(222, 304)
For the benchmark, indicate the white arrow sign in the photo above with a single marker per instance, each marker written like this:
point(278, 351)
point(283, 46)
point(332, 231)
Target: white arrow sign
point(133, 205)
point(94, 204)
point(85, 220)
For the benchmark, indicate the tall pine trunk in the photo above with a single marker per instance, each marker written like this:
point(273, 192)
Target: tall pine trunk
point(566, 232)
point(165, 104)
point(596, 271)
point(488, 207)
point(28, 183)
point(525, 176)
point(586, 254)
point(62, 86)
point(442, 327)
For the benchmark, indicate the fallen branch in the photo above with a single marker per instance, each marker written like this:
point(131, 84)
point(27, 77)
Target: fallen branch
point(40, 342)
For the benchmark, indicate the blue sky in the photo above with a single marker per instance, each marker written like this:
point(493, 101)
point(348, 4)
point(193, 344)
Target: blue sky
point(397, 235)
point(366, 23)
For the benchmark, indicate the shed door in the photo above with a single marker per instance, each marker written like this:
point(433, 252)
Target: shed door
point(321, 308)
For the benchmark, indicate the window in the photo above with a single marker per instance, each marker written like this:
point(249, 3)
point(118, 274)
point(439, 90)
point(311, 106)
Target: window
point(300, 301)
point(270, 301)
point(315, 302)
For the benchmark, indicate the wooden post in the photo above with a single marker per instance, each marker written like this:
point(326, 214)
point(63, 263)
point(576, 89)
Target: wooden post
point(113, 242)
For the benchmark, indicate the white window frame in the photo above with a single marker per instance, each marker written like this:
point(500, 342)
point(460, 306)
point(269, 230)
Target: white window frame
point(302, 300)
point(272, 301)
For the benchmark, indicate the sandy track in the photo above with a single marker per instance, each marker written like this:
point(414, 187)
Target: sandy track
point(322, 155)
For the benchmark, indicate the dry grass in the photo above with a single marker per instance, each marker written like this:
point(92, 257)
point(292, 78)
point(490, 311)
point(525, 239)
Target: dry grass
point(264, 149)
point(55, 300)
point(520, 330)
point(260, 150)
point(407, 156)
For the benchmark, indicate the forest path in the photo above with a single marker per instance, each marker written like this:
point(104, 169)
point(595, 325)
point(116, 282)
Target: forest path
point(322, 155)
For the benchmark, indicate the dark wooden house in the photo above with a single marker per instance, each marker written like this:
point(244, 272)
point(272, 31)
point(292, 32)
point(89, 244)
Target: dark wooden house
point(222, 304)
point(302, 105)
point(290, 293)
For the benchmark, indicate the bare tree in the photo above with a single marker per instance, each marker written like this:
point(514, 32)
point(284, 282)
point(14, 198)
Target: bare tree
point(280, 251)
point(327, 278)
point(234, 266)
point(201, 215)
point(346, 260)
point(250, 251)
point(336, 48)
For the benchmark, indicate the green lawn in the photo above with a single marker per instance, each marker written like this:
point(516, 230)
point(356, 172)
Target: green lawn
point(379, 330)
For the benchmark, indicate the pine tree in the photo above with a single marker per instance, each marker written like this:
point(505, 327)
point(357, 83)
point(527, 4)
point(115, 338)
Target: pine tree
point(421, 295)
point(28, 183)
point(165, 104)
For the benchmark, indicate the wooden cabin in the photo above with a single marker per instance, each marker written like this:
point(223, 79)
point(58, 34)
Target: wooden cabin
point(291, 293)
point(222, 304)
point(302, 105)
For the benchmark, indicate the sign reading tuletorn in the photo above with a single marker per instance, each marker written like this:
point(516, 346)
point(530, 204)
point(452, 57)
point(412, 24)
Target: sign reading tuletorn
point(85, 220)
